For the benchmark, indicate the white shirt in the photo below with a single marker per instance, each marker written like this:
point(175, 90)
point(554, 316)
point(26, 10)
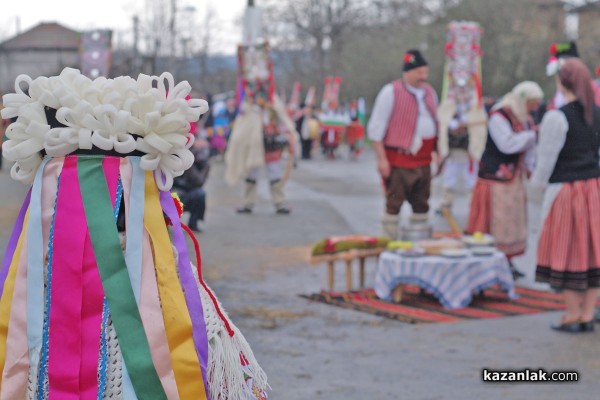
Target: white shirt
point(510, 143)
point(382, 112)
point(505, 138)
point(559, 100)
point(553, 135)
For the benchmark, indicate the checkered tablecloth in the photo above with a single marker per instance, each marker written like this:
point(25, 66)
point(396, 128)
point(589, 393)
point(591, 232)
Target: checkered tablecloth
point(452, 280)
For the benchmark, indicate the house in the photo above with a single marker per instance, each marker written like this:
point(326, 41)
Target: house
point(43, 50)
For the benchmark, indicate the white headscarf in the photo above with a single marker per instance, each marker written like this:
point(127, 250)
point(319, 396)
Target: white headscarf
point(517, 99)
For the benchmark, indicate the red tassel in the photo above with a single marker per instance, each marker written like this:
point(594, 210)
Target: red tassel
point(199, 267)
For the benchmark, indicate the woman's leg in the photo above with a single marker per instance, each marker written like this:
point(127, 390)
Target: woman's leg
point(588, 307)
point(573, 301)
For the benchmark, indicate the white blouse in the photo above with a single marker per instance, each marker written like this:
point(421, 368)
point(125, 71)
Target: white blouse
point(507, 141)
point(553, 135)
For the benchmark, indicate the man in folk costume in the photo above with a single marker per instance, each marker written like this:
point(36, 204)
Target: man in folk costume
point(277, 131)
point(403, 128)
point(499, 205)
point(263, 128)
point(462, 116)
point(98, 295)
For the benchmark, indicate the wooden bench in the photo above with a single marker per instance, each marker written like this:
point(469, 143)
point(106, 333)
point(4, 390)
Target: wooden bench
point(348, 257)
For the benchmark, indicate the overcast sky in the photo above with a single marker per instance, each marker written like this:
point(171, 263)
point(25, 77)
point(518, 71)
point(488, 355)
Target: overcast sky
point(113, 14)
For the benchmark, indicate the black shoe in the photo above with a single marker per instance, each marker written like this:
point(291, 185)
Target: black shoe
point(573, 327)
point(515, 272)
point(587, 326)
point(283, 210)
point(195, 228)
point(244, 210)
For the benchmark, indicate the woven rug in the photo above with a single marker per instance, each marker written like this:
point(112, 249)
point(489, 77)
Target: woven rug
point(418, 307)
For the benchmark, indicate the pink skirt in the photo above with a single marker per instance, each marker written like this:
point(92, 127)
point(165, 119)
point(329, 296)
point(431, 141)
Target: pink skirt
point(500, 209)
point(569, 247)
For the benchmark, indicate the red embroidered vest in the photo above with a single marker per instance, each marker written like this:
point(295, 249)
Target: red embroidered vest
point(403, 121)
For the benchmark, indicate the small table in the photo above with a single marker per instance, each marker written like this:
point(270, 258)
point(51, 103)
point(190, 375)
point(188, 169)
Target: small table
point(453, 281)
point(347, 256)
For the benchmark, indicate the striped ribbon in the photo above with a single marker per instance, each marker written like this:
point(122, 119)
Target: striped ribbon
point(178, 325)
point(115, 280)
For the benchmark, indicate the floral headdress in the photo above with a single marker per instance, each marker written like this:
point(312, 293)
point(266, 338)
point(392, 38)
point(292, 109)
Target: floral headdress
point(149, 115)
point(559, 52)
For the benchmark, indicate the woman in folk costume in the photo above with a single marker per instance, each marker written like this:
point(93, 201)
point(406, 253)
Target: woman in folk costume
point(559, 53)
point(499, 204)
point(569, 246)
point(96, 300)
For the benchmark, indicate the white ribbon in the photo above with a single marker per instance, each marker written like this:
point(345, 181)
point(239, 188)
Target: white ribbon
point(104, 113)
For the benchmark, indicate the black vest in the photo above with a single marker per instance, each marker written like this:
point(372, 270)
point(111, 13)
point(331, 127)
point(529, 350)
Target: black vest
point(578, 159)
point(496, 165)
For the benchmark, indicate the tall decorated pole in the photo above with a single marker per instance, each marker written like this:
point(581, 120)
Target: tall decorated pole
point(257, 102)
point(462, 89)
point(255, 69)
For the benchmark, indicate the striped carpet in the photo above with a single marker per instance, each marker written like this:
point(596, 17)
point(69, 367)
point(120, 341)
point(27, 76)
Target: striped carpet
point(418, 307)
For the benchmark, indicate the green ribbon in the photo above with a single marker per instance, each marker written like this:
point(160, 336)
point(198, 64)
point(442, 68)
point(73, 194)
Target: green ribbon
point(115, 279)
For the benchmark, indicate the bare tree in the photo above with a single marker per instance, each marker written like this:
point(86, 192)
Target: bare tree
point(315, 25)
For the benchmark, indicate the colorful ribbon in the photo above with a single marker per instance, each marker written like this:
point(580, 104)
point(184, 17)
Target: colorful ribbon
point(178, 324)
point(133, 186)
point(35, 271)
point(115, 280)
point(12, 242)
point(16, 366)
point(67, 287)
point(188, 282)
point(7, 294)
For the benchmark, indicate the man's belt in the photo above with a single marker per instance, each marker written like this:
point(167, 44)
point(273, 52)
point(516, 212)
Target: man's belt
point(399, 150)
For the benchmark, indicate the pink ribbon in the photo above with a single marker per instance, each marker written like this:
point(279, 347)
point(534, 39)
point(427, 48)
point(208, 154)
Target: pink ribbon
point(70, 232)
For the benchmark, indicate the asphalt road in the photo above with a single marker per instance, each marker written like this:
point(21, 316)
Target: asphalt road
point(257, 265)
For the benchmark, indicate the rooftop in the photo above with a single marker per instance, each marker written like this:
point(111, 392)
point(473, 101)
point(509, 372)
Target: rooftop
point(46, 35)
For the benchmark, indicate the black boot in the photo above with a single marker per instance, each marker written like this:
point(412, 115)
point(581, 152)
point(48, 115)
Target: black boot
point(515, 272)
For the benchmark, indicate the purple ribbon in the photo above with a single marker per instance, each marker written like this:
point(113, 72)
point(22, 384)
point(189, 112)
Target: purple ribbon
point(190, 288)
point(12, 243)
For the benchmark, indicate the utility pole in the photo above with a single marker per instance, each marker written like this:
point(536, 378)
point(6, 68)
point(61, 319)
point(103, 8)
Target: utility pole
point(173, 36)
point(252, 28)
point(136, 36)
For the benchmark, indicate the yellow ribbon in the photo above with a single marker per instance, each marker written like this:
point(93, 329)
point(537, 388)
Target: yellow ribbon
point(178, 324)
point(7, 295)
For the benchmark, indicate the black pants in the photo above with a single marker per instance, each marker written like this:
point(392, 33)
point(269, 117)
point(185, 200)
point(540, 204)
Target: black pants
point(306, 148)
point(194, 201)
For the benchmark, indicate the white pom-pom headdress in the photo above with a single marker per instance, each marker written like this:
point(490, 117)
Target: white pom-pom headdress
point(150, 115)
